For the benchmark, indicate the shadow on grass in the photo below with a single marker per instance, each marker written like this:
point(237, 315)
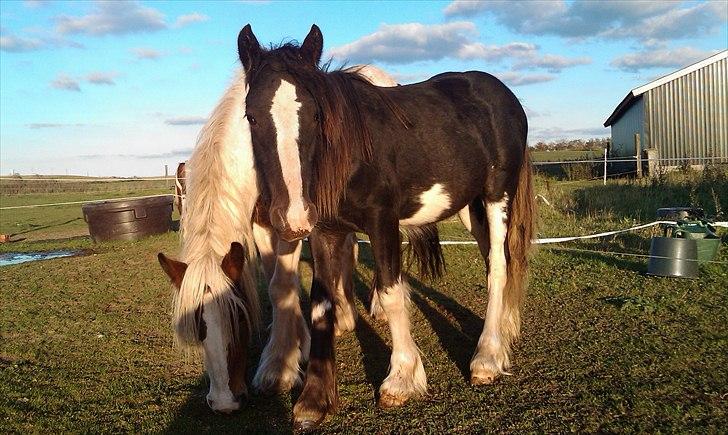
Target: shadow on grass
point(44, 227)
point(617, 261)
point(459, 343)
point(260, 414)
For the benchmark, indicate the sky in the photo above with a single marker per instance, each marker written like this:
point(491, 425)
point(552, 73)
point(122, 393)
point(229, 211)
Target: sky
point(122, 88)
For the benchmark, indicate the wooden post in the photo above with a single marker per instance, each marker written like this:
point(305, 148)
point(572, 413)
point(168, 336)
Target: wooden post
point(605, 167)
point(653, 162)
point(638, 151)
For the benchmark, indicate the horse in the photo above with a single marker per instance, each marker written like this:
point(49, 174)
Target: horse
point(180, 191)
point(222, 200)
point(340, 155)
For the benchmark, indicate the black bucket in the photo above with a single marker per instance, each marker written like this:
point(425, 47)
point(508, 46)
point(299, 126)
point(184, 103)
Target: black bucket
point(670, 256)
point(128, 219)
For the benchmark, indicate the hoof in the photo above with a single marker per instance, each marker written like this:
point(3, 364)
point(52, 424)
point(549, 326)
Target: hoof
point(484, 378)
point(387, 401)
point(307, 420)
point(306, 425)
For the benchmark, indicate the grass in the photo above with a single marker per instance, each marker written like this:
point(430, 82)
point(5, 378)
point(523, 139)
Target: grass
point(86, 344)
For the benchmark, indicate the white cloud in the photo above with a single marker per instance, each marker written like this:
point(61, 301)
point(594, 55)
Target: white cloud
point(551, 62)
point(644, 20)
point(412, 42)
point(185, 20)
point(661, 58)
point(186, 120)
point(102, 78)
point(19, 44)
point(41, 125)
point(64, 82)
point(16, 44)
point(405, 43)
point(35, 3)
point(515, 78)
point(146, 53)
point(113, 18)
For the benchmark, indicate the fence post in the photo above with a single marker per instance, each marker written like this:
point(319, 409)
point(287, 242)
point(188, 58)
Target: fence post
point(638, 151)
point(605, 167)
point(653, 161)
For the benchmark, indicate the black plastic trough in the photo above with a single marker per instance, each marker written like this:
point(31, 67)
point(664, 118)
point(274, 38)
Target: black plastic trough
point(128, 219)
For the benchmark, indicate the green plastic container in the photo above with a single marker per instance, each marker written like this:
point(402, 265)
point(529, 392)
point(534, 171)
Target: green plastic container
point(707, 241)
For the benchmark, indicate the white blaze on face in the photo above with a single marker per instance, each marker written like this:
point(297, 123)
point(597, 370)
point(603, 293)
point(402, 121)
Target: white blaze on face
point(220, 398)
point(434, 202)
point(284, 111)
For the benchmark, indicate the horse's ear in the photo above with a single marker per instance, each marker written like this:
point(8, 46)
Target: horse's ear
point(234, 261)
point(248, 48)
point(312, 46)
point(174, 269)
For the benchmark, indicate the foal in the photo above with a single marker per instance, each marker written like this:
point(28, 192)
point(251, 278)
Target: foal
point(340, 155)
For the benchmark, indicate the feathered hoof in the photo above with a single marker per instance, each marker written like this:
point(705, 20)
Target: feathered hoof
point(387, 400)
point(485, 369)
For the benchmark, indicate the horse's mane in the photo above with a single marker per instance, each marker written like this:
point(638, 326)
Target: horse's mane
point(221, 194)
point(343, 129)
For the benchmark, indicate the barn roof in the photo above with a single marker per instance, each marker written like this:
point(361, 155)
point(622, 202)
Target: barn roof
point(636, 93)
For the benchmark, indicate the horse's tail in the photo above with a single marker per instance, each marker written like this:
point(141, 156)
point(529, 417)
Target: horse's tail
point(424, 250)
point(520, 229)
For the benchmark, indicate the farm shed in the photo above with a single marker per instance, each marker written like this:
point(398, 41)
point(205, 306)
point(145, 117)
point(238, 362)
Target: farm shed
point(681, 117)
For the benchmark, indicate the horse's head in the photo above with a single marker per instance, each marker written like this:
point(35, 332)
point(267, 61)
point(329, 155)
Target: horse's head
point(220, 323)
point(284, 121)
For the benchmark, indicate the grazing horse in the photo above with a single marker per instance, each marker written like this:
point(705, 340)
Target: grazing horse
point(340, 155)
point(219, 195)
point(215, 306)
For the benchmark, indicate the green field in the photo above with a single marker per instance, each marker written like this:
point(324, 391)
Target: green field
point(86, 344)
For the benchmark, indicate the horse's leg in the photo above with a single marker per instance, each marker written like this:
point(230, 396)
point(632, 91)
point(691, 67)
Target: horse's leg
point(345, 309)
point(266, 242)
point(406, 378)
point(319, 397)
point(289, 341)
point(489, 227)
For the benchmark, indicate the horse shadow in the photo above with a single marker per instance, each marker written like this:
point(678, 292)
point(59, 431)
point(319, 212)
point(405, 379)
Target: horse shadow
point(458, 340)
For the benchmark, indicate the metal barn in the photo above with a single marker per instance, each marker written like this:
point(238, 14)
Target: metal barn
point(681, 118)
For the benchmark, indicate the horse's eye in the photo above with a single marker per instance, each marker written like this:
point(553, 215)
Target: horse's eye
point(251, 119)
point(317, 117)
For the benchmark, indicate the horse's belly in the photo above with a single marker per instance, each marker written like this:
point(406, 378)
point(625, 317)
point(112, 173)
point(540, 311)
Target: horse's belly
point(434, 204)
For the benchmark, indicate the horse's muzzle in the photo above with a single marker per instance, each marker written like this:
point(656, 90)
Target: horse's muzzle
point(294, 226)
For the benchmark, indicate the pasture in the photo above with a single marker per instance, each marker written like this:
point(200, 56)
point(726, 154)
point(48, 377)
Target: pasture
point(86, 344)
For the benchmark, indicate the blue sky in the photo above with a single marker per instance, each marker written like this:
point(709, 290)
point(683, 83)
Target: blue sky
point(122, 88)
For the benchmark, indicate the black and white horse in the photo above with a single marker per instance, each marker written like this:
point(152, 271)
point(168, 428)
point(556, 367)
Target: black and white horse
point(339, 155)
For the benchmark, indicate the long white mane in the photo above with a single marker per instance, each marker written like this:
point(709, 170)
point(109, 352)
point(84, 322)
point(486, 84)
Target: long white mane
point(221, 195)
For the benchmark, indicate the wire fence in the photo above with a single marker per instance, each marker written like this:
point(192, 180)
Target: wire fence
point(169, 184)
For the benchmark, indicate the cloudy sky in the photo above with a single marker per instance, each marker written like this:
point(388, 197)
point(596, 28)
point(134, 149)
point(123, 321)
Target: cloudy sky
point(122, 88)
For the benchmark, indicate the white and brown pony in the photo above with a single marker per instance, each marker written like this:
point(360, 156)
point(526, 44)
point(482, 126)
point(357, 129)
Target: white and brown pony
point(215, 300)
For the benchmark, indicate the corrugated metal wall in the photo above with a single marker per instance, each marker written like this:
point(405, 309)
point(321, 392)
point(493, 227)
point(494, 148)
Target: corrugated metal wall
point(688, 116)
point(631, 122)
